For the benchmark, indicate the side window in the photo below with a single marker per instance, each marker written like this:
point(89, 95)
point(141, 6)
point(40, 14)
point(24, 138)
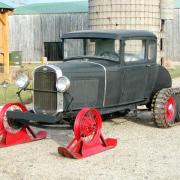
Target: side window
point(134, 51)
point(108, 48)
point(151, 50)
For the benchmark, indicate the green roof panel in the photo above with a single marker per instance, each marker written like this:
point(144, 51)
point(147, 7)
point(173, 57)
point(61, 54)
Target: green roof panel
point(177, 4)
point(4, 6)
point(53, 8)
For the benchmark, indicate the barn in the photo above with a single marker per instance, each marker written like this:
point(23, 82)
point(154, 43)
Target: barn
point(172, 36)
point(5, 11)
point(35, 30)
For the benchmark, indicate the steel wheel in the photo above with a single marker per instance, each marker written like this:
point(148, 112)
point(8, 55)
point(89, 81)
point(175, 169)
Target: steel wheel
point(164, 108)
point(7, 125)
point(88, 125)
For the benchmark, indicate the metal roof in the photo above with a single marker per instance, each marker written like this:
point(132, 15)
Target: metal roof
point(5, 6)
point(177, 4)
point(109, 34)
point(58, 7)
point(53, 8)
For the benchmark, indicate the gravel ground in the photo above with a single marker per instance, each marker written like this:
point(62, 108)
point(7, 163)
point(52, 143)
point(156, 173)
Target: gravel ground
point(143, 152)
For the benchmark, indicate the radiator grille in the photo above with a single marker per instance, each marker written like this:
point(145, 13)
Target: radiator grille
point(45, 102)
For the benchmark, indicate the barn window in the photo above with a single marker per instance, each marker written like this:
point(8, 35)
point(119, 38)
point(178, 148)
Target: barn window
point(53, 51)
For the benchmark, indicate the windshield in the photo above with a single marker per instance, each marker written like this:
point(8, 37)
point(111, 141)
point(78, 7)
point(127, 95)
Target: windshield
point(100, 48)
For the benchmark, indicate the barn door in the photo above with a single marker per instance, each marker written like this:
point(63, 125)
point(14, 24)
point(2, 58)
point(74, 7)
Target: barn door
point(53, 51)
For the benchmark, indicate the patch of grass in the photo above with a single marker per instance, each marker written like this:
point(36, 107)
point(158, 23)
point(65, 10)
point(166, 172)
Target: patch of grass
point(175, 72)
point(9, 95)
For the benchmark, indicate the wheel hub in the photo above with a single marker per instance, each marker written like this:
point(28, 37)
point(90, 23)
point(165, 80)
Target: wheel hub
point(87, 125)
point(170, 109)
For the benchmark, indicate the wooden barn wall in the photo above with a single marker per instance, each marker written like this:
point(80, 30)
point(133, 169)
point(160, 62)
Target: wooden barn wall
point(29, 32)
point(172, 37)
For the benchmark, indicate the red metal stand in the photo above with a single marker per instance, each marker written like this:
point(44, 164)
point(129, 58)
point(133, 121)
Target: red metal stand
point(11, 133)
point(88, 139)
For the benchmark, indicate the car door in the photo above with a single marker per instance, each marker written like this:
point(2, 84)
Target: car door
point(113, 85)
point(134, 74)
point(113, 88)
point(151, 66)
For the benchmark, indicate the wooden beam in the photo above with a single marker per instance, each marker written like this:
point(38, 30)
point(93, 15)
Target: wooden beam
point(2, 19)
point(6, 44)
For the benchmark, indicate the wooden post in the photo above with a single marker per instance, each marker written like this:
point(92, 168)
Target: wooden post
point(6, 43)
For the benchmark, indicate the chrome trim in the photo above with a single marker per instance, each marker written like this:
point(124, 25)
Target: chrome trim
point(58, 75)
point(105, 78)
point(59, 95)
point(58, 70)
point(33, 72)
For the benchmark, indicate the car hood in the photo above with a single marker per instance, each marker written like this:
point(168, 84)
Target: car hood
point(79, 66)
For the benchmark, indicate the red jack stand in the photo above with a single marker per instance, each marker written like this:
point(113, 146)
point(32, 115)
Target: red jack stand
point(11, 133)
point(88, 139)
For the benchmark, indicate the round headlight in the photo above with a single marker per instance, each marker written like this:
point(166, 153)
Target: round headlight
point(62, 84)
point(22, 81)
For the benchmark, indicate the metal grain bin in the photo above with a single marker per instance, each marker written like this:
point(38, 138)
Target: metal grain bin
point(125, 14)
point(129, 14)
point(15, 58)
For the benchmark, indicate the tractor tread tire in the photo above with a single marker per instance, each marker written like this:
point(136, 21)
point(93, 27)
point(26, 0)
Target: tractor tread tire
point(158, 102)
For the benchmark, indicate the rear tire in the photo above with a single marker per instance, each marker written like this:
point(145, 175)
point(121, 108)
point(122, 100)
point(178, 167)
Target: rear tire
point(164, 108)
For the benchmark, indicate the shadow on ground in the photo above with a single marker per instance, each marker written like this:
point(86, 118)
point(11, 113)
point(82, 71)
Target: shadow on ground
point(63, 136)
point(143, 117)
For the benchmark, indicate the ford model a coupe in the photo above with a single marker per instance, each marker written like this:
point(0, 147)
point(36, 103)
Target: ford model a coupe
point(113, 71)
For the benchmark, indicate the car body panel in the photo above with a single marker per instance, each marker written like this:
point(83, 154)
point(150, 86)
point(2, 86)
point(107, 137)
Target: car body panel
point(109, 34)
point(108, 85)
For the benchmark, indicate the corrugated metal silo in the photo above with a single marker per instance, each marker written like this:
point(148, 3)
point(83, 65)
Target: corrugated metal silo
point(131, 14)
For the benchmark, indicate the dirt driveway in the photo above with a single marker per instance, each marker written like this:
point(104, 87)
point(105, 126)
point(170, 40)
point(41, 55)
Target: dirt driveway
point(143, 152)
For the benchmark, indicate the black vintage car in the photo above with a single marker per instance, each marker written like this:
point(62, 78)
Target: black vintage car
point(113, 71)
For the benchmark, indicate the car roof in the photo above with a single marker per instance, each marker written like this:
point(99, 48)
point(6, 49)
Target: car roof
point(109, 34)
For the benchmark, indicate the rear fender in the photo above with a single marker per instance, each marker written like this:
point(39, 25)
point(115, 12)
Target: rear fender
point(163, 79)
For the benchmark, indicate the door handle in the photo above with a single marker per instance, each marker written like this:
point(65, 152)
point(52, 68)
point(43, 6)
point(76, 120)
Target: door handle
point(148, 65)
